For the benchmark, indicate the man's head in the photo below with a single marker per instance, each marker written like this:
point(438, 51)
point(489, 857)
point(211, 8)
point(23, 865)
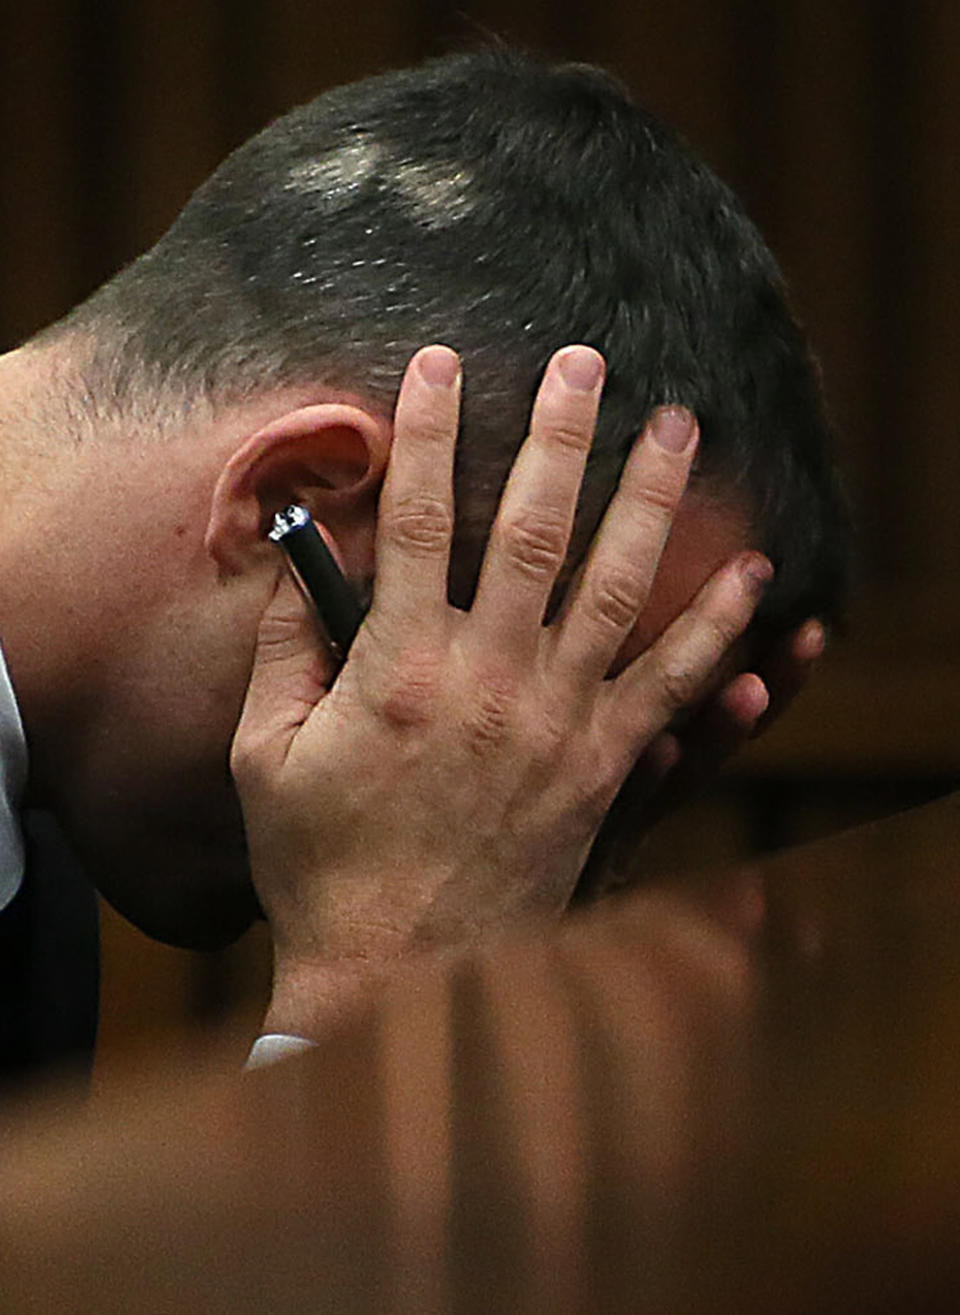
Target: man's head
point(486, 201)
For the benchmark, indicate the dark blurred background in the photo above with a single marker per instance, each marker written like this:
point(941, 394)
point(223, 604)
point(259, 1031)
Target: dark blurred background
point(836, 120)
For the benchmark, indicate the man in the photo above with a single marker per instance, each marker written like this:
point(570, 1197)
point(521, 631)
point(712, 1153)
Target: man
point(252, 358)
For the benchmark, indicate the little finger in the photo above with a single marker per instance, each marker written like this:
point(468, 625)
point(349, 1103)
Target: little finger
point(672, 676)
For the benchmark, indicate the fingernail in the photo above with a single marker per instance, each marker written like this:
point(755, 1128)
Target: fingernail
point(757, 571)
point(582, 368)
point(812, 640)
point(439, 366)
point(673, 428)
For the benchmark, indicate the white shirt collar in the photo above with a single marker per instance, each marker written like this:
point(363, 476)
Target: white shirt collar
point(13, 778)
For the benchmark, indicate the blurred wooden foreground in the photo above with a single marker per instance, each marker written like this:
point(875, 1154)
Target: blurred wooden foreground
point(731, 1094)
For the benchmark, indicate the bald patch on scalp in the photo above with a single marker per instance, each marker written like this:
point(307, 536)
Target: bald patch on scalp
point(336, 179)
point(435, 194)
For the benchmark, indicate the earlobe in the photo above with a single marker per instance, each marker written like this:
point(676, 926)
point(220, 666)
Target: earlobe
point(330, 457)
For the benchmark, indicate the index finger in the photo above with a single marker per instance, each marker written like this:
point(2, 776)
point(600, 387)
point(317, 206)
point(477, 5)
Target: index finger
point(415, 514)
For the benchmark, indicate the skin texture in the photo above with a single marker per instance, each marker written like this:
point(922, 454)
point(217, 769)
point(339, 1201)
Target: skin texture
point(478, 743)
point(131, 636)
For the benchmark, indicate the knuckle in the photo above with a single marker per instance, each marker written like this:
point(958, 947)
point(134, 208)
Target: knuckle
point(550, 733)
point(656, 502)
point(680, 673)
point(651, 493)
point(617, 595)
point(564, 434)
point(245, 763)
point(418, 524)
point(490, 721)
point(412, 690)
point(535, 542)
point(679, 682)
point(433, 428)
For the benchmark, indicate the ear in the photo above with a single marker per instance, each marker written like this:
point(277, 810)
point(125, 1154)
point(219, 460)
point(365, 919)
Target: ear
point(329, 457)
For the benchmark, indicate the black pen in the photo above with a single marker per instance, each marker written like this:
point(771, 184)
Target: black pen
point(338, 607)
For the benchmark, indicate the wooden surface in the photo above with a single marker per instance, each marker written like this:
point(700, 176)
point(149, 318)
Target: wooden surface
point(731, 1094)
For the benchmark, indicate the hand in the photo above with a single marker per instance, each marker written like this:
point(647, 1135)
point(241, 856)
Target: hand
point(453, 777)
point(679, 763)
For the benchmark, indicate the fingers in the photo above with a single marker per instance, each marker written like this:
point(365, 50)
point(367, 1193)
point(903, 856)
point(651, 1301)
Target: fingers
point(672, 768)
point(790, 666)
point(415, 514)
point(292, 671)
point(528, 542)
point(733, 715)
point(625, 553)
point(672, 674)
point(737, 709)
point(717, 732)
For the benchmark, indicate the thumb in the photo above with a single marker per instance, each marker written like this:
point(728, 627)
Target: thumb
point(292, 672)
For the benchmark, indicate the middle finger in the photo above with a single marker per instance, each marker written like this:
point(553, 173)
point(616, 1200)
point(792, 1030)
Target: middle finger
point(528, 542)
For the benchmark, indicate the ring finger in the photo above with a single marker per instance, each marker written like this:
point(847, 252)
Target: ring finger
point(615, 584)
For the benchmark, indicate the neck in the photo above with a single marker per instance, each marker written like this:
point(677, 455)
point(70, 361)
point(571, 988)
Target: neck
point(101, 546)
point(38, 455)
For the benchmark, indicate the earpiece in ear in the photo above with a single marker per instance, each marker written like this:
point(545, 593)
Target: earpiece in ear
point(329, 457)
point(339, 610)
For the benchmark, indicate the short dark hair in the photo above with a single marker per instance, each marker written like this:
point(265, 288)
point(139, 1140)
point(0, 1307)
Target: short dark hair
point(506, 207)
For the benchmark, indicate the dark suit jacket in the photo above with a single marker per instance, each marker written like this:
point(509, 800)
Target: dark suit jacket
point(49, 963)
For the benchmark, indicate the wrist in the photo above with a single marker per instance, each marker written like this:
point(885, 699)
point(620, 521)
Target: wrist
point(311, 998)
